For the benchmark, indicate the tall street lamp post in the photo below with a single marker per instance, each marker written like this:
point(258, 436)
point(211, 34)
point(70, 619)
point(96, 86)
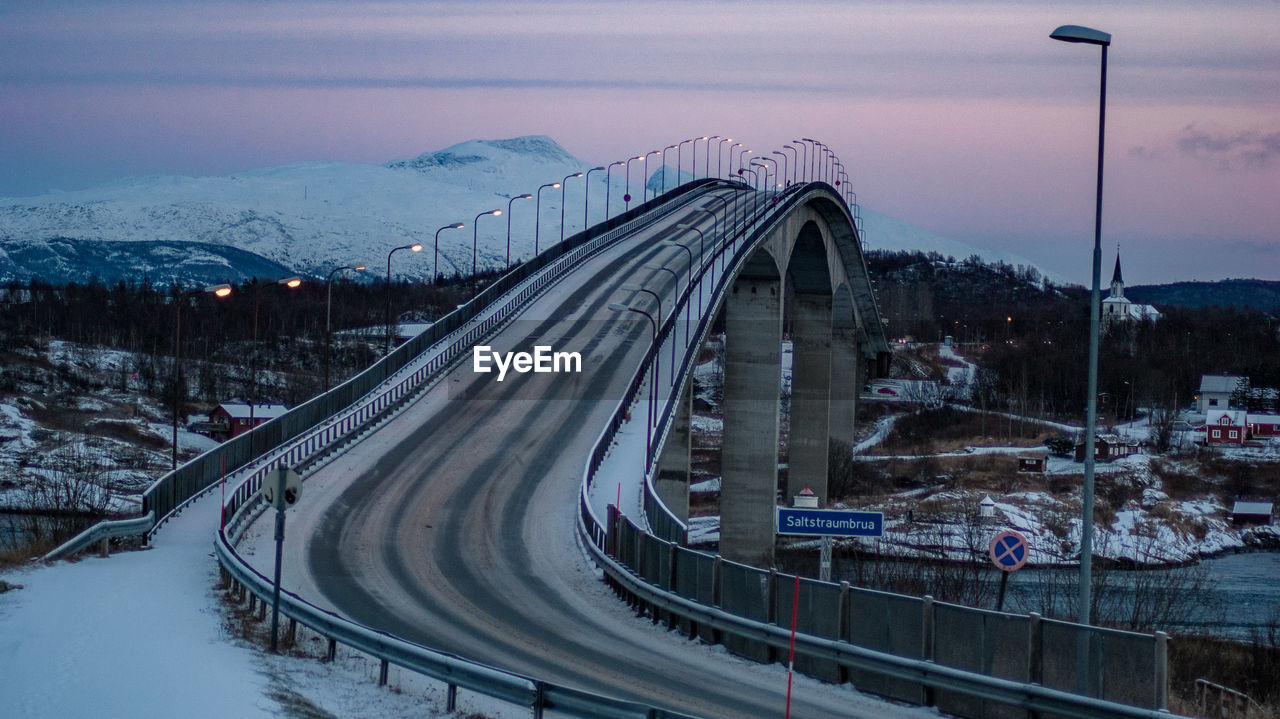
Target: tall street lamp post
point(608, 184)
point(435, 251)
point(679, 160)
point(415, 247)
point(706, 161)
point(586, 196)
point(702, 259)
point(328, 316)
point(258, 285)
point(645, 193)
point(1078, 34)
point(653, 379)
point(720, 156)
point(537, 214)
point(475, 245)
point(626, 197)
point(179, 386)
point(664, 166)
point(563, 184)
point(525, 196)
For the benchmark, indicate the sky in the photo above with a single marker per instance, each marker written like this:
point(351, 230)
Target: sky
point(963, 118)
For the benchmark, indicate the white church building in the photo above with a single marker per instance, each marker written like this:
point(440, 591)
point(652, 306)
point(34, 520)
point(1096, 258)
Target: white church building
point(1118, 309)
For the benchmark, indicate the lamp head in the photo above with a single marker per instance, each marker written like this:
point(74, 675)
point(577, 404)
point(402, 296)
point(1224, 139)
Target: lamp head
point(1077, 33)
point(495, 213)
point(525, 196)
point(416, 247)
point(555, 185)
point(291, 282)
point(219, 290)
point(357, 268)
point(618, 307)
point(577, 175)
point(631, 287)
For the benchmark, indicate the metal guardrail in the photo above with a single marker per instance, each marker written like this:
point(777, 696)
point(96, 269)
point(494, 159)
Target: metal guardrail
point(454, 671)
point(1033, 697)
point(104, 530)
point(174, 490)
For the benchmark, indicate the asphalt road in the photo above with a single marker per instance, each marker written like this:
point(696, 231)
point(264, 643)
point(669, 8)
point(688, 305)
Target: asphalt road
point(453, 525)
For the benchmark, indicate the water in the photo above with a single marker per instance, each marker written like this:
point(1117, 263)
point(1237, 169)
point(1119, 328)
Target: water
point(1235, 596)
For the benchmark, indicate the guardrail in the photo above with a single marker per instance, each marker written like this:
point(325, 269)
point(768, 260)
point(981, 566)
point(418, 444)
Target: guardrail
point(954, 689)
point(250, 585)
point(266, 443)
point(703, 620)
point(103, 531)
point(453, 671)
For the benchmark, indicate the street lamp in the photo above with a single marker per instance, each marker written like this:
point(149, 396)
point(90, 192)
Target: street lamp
point(435, 253)
point(328, 315)
point(563, 184)
point(475, 245)
point(795, 163)
point(525, 196)
point(768, 169)
point(653, 379)
point(537, 214)
point(664, 167)
point(386, 345)
point(586, 196)
point(755, 196)
point(724, 231)
point(179, 386)
point(257, 285)
point(626, 197)
point(706, 161)
point(741, 154)
point(804, 158)
point(719, 156)
point(680, 152)
point(608, 185)
point(657, 298)
point(693, 145)
point(702, 259)
point(646, 173)
point(1075, 33)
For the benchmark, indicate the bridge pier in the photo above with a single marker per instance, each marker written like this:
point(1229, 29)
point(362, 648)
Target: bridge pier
point(749, 453)
point(846, 381)
point(810, 395)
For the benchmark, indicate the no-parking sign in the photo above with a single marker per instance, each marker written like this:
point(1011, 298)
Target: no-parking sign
point(1009, 551)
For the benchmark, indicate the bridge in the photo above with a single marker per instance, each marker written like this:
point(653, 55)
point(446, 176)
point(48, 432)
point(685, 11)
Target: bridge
point(475, 516)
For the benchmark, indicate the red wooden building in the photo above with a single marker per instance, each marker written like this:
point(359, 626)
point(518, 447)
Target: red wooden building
point(234, 418)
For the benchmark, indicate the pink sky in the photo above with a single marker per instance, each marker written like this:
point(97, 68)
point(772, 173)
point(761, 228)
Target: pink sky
point(962, 118)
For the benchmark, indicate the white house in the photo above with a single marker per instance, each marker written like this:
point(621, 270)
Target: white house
point(1216, 391)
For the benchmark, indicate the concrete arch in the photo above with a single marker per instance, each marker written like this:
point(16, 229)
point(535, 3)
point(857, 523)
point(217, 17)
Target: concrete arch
point(809, 254)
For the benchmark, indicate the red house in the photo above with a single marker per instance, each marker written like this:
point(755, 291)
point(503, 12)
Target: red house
point(234, 418)
point(1262, 426)
point(1225, 426)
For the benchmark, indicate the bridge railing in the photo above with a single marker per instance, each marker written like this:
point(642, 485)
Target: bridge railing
point(277, 440)
point(966, 661)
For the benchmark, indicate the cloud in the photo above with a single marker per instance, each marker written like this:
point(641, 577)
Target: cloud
point(1228, 151)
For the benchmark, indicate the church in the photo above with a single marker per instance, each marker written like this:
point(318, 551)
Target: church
point(1117, 309)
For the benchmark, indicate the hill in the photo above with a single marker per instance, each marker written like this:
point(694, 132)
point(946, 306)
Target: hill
point(308, 218)
point(1258, 294)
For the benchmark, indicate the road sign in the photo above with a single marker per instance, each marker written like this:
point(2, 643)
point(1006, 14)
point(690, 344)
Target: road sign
point(280, 496)
point(830, 522)
point(1009, 551)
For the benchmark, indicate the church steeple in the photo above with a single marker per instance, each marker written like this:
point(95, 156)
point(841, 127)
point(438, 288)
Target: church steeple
point(1117, 279)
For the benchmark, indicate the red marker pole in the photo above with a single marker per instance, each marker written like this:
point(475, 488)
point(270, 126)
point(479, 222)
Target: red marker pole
point(791, 658)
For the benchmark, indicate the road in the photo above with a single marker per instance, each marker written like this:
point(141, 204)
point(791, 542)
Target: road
point(454, 525)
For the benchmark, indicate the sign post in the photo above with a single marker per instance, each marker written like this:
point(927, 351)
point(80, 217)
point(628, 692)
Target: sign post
point(1009, 552)
point(281, 489)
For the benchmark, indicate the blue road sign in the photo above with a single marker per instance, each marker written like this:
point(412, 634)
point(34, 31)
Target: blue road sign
point(830, 522)
point(1009, 551)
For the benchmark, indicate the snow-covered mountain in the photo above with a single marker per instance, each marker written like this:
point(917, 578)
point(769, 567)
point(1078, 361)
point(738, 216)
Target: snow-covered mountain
point(308, 218)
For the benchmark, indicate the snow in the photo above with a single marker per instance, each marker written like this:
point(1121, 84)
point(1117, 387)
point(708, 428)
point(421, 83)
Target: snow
point(313, 216)
point(146, 633)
